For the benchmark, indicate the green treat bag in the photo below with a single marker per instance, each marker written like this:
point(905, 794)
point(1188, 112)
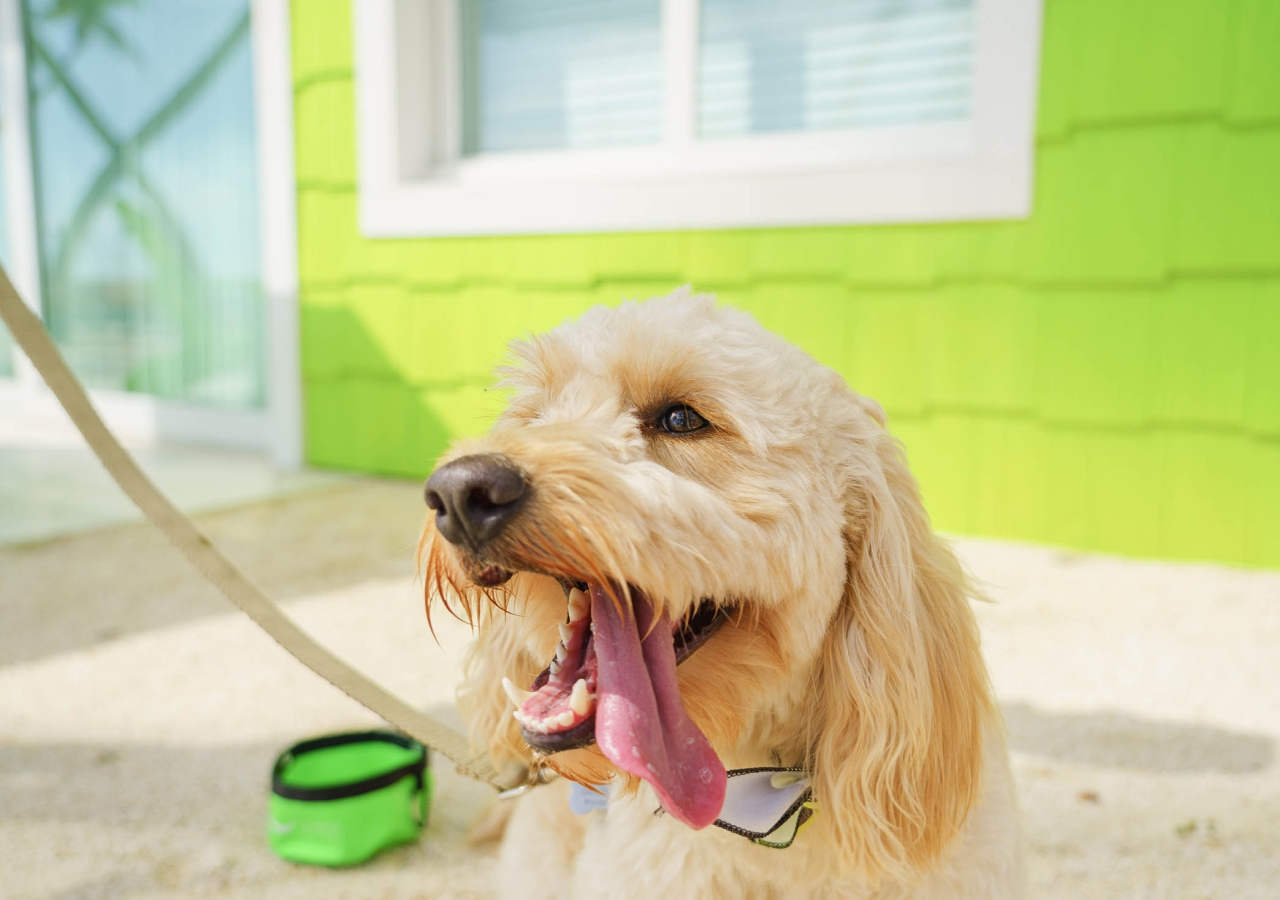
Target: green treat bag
point(338, 800)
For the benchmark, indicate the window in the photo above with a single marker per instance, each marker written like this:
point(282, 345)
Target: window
point(560, 74)
point(522, 116)
point(816, 65)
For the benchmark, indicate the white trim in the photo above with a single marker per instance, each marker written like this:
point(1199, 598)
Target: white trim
point(377, 95)
point(1008, 85)
point(19, 178)
point(426, 87)
point(278, 224)
point(680, 70)
point(981, 169)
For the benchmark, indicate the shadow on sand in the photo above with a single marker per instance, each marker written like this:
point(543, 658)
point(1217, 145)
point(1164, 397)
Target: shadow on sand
point(1122, 741)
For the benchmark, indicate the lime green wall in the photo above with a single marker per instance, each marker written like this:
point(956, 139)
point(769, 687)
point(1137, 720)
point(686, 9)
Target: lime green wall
point(1105, 374)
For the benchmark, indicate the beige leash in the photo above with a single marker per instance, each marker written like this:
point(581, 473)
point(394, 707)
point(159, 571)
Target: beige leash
point(34, 340)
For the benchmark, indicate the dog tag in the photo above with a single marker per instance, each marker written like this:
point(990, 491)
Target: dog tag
point(583, 799)
point(759, 801)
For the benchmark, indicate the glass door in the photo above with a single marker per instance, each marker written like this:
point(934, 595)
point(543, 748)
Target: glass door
point(7, 349)
point(145, 182)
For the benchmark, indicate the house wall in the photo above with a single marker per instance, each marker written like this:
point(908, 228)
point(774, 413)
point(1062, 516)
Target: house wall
point(1105, 374)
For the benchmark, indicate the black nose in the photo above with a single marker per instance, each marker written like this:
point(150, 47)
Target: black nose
point(474, 498)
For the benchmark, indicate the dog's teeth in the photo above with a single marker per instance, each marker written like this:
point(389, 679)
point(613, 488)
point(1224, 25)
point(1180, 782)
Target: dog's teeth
point(561, 653)
point(518, 697)
point(579, 605)
point(564, 720)
point(566, 634)
point(580, 699)
point(555, 667)
point(529, 722)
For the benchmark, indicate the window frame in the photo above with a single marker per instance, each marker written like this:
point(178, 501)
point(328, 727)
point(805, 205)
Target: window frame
point(414, 181)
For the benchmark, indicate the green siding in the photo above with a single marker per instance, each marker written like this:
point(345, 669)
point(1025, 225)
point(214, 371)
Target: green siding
point(1105, 374)
point(1139, 60)
point(1253, 93)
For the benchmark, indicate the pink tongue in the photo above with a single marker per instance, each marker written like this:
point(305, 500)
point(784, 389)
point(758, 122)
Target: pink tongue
point(641, 724)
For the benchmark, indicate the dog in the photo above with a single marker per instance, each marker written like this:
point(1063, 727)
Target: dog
point(691, 550)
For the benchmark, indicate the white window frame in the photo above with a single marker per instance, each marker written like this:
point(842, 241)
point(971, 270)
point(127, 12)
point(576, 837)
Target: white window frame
point(414, 181)
point(275, 429)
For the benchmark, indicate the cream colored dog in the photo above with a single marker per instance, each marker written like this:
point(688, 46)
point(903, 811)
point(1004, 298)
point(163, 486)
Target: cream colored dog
point(672, 485)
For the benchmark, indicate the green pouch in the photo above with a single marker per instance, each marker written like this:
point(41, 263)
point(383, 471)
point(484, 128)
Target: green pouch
point(338, 800)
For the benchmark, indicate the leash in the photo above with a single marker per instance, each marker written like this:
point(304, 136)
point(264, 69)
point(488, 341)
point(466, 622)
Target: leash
point(195, 545)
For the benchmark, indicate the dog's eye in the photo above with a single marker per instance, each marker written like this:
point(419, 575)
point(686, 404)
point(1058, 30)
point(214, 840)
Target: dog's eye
point(681, 419)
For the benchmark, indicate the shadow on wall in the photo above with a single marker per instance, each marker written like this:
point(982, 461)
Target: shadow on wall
point(1121, 741)
point(368, 403)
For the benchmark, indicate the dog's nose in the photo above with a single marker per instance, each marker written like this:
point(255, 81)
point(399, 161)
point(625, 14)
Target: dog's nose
point(475, 497)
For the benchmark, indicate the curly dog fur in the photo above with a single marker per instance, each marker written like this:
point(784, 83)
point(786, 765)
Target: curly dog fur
point(851, 649)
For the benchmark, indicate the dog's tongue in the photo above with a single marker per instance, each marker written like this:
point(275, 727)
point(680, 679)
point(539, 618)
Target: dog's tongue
point(641, 724)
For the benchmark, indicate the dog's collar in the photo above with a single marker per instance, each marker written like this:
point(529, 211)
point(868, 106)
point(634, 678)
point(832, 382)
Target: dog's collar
point(767, 805)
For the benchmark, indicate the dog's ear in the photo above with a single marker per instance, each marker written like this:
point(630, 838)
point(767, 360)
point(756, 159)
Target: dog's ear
point(904, 697)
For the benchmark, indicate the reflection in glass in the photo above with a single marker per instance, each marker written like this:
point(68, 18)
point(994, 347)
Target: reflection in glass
point(560, 74)
point(143, 142)
point(815, 65)
point(6, 342)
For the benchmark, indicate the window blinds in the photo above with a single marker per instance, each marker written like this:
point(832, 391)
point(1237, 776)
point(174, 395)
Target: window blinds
point(560, 74)
point(809, 65)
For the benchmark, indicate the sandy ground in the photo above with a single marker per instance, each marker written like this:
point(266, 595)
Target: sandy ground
point(139, 717)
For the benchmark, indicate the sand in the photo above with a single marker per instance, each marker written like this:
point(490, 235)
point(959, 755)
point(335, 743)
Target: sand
point(139, 715)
